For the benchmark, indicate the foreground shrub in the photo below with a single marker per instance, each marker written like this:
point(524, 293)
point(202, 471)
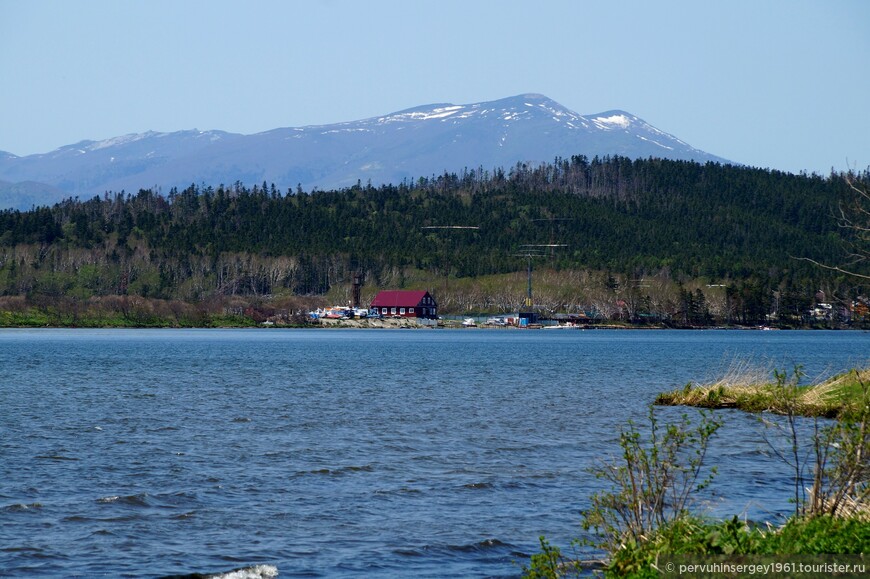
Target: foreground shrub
point(654, 482)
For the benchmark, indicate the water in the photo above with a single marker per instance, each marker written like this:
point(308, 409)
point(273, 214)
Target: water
point(344, 453)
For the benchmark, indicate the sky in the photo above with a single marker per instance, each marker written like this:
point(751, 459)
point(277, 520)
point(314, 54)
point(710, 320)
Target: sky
point(778, 84)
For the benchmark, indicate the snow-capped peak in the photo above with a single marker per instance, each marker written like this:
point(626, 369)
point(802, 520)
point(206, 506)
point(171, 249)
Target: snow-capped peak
point(423, 140)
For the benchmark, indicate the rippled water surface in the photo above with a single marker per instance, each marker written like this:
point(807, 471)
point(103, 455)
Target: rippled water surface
point(441, 453)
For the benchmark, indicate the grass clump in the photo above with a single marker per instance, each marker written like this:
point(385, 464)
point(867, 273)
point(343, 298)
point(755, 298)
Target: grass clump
point(753, 391)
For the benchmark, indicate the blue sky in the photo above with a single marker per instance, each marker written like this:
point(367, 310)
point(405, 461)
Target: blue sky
point(780, 84)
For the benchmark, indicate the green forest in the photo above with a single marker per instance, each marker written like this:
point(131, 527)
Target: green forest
point(641, 241)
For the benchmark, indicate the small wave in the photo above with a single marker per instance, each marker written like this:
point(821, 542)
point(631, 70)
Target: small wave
point(21, 507)
point(23, 549)
point(141, 395)
point(83, 519)
point(364, 468)
point(480, 485)
point(55, 457)
point(341, 471)
point(484, 545)
point(255, 572)
point(241, 419)
point(399, 491)
point(319, 471)
point(178, 498)
point(132, 500)
point(252, 572)
point(548, 475)
point(515, 484)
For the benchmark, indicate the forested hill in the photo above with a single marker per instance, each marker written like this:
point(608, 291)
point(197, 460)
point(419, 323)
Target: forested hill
point(639, 218)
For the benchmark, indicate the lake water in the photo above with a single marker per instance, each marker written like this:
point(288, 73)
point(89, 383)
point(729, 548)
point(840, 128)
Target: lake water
point(345, 453)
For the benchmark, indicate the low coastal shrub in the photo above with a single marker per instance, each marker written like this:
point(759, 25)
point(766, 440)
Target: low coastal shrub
point(831, 517)
point(693, 536)
point(654, 482)
point(687, 535)
point(822, 535)
point(652, 487)
point(549, 563)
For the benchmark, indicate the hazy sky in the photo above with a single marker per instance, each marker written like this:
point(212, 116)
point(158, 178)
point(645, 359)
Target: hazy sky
point(782, 84)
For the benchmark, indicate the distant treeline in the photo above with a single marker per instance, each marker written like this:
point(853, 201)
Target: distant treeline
point(680, 219)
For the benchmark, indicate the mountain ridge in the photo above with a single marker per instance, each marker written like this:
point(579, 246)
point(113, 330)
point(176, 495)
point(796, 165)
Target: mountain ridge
point(416, 142)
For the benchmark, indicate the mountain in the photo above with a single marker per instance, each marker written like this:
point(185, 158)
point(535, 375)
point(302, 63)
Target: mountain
point(417, 142)
point(27, 194)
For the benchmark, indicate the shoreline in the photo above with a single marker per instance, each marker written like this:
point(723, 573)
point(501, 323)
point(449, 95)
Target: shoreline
point(15, 320)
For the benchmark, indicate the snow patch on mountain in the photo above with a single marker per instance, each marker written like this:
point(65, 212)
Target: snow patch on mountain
point(654, 142)
point(613, 121)
point(117, 141)
point(421, 115)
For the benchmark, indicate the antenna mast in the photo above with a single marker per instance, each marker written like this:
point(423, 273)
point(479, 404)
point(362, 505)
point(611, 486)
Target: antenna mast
point(530, 251)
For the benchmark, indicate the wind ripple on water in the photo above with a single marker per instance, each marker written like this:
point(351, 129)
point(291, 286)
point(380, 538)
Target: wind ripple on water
point(341, 454)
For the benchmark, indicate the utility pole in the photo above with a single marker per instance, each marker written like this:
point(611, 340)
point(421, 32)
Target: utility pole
point(357, 289)
point(529, 251)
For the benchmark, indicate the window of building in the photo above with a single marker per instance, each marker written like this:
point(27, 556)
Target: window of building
point(392, 310)
point(402, 311)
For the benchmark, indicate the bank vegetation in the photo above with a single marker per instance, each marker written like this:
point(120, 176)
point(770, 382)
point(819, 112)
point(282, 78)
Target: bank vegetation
point(644, 242)
point(648, 516)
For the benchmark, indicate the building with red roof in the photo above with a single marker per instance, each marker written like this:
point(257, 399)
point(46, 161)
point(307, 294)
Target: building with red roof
point(405, 304)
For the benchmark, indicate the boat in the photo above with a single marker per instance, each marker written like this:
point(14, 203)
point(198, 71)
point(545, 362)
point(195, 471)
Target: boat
point(469, 323)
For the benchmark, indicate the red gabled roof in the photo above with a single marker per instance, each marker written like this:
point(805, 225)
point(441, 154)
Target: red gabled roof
point(399, 298)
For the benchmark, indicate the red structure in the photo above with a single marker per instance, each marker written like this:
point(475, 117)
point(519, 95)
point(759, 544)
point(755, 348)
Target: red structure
point(405, 304)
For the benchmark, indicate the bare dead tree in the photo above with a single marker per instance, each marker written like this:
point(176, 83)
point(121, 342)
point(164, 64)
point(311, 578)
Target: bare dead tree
point(854, 217)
